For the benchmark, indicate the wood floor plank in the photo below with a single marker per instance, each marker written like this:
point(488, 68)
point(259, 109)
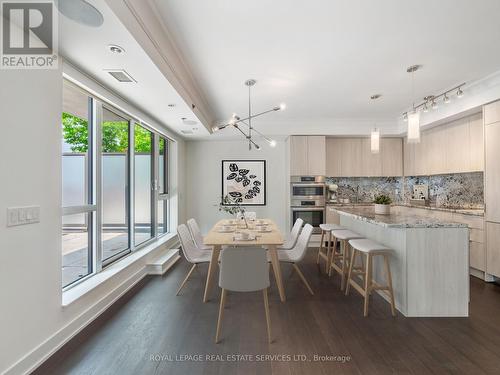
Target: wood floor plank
point(152, 331)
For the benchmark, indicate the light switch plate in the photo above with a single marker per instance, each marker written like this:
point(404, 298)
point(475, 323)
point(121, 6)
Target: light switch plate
point(23, 215)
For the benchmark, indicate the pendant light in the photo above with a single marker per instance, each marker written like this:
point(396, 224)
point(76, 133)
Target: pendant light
point(413, 134)
point(375, 141)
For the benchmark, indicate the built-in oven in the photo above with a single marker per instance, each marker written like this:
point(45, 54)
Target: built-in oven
point(312, 211)
point(308, 187)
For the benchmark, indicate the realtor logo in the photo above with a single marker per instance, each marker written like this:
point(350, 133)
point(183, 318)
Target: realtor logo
point(29, 35)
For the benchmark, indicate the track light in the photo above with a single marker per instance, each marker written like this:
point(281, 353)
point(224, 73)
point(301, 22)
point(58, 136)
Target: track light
point(272, 143)
point(282, 106)
point(434, 105)
point(446, 99)
point(215, 129)
point(460, 93)
point(405, 116)
point(425, 108)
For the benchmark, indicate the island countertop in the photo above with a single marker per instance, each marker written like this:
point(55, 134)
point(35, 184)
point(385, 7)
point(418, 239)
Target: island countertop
point(398, 218)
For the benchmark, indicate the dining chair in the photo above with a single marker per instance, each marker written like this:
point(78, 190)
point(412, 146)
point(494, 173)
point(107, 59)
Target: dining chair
point(292, 237)
point(297, 253)
point(191, 252)
point(197, 236)
point(243, 269)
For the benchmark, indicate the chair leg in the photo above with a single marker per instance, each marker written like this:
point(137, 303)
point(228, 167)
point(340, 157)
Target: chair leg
point(349, 274)
point(296, 268)
point(334, 252)
point(368, 282)
point(389, 284)
point(320, 246)
point(186, 279)
point(221, 313)
point(268, 317)
point(345, 264)
point(329, 253)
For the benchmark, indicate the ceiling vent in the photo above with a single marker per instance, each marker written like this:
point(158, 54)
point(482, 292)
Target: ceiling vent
point(121, 75)
point(187, 131)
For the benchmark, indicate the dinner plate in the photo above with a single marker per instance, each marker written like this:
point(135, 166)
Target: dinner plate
point(225, 231)
point(264, 231)
point(251, 238)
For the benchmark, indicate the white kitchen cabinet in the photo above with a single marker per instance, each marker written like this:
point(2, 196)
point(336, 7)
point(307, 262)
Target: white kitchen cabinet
point(351, 164)
point(476, 143)
point(492, 172)
point(457, 147)
point(371, 164)
point(491, 112)
point(307, 155)
point(493, 248)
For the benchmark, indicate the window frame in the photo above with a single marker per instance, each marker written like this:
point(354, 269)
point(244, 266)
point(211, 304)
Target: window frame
point(94, 184)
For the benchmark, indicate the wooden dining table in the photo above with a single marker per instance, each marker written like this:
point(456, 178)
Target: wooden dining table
point(271, 240)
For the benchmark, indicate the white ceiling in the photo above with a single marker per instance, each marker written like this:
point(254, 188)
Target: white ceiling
point(324, 58)
point(86, 48)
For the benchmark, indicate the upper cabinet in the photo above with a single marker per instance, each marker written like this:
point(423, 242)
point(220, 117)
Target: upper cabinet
point(352, 157)
point(457, 147)
point(307, 155)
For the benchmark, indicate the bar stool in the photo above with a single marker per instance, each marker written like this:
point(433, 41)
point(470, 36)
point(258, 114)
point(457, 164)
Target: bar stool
point(326, 229)
point(370, 249)
point(343, 235)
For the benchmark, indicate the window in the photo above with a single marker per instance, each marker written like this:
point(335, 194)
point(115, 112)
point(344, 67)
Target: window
point(143, 177)
point(115, 184)
point(162, 185)
point(77, 181)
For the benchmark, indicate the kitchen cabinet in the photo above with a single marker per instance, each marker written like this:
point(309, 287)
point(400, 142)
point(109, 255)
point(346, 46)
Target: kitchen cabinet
point(453, 148)
point(298, 156)
point(307, 155)
point(333, 157)
point(352, 157)
point(492, 172)
point(391, 153)
point(493, 248)
point(491, 112)
point(316, 155)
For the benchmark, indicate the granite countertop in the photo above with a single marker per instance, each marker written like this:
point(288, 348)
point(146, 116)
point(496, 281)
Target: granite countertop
point(397, 219)
point(464, 211)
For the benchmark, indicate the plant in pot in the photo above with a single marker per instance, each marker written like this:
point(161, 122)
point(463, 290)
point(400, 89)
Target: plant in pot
point(382, 204)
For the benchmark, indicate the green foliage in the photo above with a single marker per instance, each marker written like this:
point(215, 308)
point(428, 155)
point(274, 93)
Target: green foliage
point(230, 206)
point(382, 199)
point(114, 135)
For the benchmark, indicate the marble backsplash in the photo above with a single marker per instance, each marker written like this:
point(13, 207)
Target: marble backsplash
point(458, 190)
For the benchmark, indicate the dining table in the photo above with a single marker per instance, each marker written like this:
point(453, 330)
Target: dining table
point(217, 237)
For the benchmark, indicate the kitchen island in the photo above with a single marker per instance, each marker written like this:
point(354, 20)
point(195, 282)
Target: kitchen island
point(430, 262)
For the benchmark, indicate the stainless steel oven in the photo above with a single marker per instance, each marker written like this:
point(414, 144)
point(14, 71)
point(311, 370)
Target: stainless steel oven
point(308, 187)
point(311, 215)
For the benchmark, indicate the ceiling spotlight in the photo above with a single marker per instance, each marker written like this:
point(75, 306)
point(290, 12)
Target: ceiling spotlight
point(272, 143)
point(446, 99)
point(282, 106)
point(460, 93)
point(425, 108)
point(375, 96)
point(405, 116)
point(434, 105)
point(215, 128)
point(113, 48)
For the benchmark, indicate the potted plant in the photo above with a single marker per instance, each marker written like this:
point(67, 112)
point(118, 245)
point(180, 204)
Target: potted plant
point(382, 204)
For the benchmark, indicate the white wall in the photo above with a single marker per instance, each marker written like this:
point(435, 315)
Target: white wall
point(33, 321)
point(204, 179)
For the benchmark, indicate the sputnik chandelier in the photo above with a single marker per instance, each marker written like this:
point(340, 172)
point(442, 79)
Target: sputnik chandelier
point(248, 132)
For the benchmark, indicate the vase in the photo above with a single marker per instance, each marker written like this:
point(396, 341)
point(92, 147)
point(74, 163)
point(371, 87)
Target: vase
point(382, 209)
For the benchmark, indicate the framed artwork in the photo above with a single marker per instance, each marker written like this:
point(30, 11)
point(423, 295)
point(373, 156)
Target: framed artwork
point(245, 181)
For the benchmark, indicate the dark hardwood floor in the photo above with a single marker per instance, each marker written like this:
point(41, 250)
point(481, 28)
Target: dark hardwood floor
point(150, 329)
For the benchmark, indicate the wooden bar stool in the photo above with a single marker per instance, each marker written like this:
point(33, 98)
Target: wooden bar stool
point(343, 235)
point(370, 249)
point(326, 229)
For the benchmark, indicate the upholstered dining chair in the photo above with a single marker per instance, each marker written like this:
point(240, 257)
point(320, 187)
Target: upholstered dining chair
point(291, 238)
point(191, 252)
point(197, 236)
point(297, 253)
point(243, 269)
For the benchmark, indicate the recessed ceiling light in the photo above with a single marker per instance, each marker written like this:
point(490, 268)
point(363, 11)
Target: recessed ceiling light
point(375, 96)
point(113, 48)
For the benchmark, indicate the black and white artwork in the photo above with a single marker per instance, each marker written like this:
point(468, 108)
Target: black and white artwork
point(245, 181)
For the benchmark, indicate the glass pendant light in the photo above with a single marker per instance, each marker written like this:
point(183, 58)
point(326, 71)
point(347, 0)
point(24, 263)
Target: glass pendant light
point(375, 141)
point(413, 134)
